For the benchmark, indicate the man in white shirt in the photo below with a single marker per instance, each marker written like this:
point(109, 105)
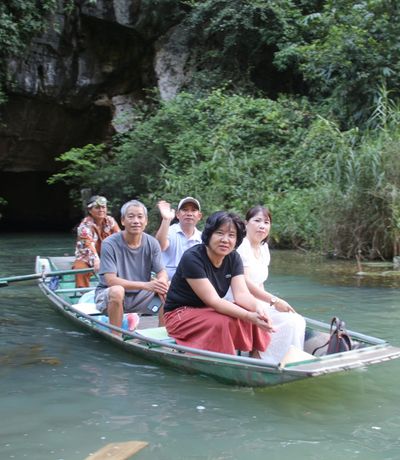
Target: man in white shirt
point(176, 238)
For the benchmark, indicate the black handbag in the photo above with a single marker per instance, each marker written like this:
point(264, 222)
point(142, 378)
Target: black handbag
point(339, 340)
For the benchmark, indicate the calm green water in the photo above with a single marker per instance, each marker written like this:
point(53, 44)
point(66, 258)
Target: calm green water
point(65, 394)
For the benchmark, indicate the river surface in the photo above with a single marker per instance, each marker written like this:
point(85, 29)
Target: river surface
point(64, 394)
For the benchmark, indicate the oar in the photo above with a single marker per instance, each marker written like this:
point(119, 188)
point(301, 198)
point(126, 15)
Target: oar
point(12, 279)
point(118, 450)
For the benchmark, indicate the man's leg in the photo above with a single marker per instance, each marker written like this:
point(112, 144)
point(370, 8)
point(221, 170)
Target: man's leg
point(82, 280)
point(139, 302)
point(115, 306)
point(146, 302)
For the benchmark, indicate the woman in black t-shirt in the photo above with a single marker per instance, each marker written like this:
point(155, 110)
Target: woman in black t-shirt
point(196, 314)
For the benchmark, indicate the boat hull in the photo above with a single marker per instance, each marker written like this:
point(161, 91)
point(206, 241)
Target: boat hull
point(236, 370)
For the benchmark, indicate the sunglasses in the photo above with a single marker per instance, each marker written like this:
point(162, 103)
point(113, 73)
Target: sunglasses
point(99, 201)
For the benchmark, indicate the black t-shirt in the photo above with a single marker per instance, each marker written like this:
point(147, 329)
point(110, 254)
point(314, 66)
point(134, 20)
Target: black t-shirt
point(195, 264)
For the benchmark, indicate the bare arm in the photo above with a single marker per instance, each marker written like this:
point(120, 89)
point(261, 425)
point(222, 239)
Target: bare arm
point(260, 293)
point(167, 215)
point(162, 276)
point(206, 292)
point(159, 284)
point(241, 293)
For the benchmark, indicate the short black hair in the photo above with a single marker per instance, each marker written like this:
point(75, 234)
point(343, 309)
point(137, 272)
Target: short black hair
point(214, 222)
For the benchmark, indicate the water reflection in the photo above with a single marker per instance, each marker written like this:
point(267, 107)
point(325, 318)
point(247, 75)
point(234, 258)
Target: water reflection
point(334, 272)
point(102, 384)
point(25, 355)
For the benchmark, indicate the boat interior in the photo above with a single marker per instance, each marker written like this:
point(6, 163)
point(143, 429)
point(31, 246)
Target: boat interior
point(316, 339)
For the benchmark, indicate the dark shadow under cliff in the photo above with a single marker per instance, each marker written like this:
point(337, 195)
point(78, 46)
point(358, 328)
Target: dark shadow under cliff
point(33, 205)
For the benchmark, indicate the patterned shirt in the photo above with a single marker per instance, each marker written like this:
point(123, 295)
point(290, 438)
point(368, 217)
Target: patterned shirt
point(90, 236)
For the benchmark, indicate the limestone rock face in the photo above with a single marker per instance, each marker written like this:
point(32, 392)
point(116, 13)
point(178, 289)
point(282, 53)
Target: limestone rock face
point(172, 52)
point(78, 81)
point(102, 50)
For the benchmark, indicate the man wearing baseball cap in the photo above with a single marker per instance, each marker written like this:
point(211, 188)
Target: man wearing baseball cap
point(176, 238)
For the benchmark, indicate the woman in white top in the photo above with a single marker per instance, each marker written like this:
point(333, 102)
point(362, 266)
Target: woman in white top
point(254, 251)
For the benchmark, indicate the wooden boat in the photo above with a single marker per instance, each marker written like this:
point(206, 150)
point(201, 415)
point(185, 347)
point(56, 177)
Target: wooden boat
point(152, 343)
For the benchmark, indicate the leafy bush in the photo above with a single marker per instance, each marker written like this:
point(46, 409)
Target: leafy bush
point(337, 52)
point(82, 166)
point(229, 151)
point(360, 191)
point(234, 41)
point(351, 50)
point(331, 180)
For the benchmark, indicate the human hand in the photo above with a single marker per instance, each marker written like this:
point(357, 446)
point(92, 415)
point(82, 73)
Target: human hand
point(262, 321)
point(262, 309)
point(96, 264)
point(165, 210)
point(160, 287)
point(282, 306)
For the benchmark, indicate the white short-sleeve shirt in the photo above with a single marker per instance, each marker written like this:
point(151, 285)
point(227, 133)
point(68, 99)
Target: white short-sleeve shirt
point(178, 244)
point(256, 267)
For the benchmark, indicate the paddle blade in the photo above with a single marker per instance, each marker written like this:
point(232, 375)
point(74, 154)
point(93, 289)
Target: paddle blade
point(118, 450)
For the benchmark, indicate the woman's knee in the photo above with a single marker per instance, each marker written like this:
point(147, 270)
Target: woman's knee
point(297, 321)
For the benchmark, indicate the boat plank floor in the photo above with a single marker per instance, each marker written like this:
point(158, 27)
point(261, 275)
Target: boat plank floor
point(147, 322)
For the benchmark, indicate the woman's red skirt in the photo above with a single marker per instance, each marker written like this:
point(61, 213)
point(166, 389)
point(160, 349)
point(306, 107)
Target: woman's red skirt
point(207, 329)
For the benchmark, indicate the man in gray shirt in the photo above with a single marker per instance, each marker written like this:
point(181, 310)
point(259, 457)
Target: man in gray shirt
point(127, 261)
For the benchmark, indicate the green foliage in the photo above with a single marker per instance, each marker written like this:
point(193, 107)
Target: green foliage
point(332, 180)
point(229, 151)
point(330, 190)
point(228, 144)
point(235, 40)
point(360, 191)
point(352, 50)
point(338, 52)
point(295, 222)
point(82, 166)
point(19, 20)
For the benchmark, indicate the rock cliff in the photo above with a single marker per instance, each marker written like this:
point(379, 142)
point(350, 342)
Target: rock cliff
point(71, 88)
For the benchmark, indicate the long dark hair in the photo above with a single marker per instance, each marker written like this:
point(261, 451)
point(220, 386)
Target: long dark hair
point(255, 210)
point(215, 220)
